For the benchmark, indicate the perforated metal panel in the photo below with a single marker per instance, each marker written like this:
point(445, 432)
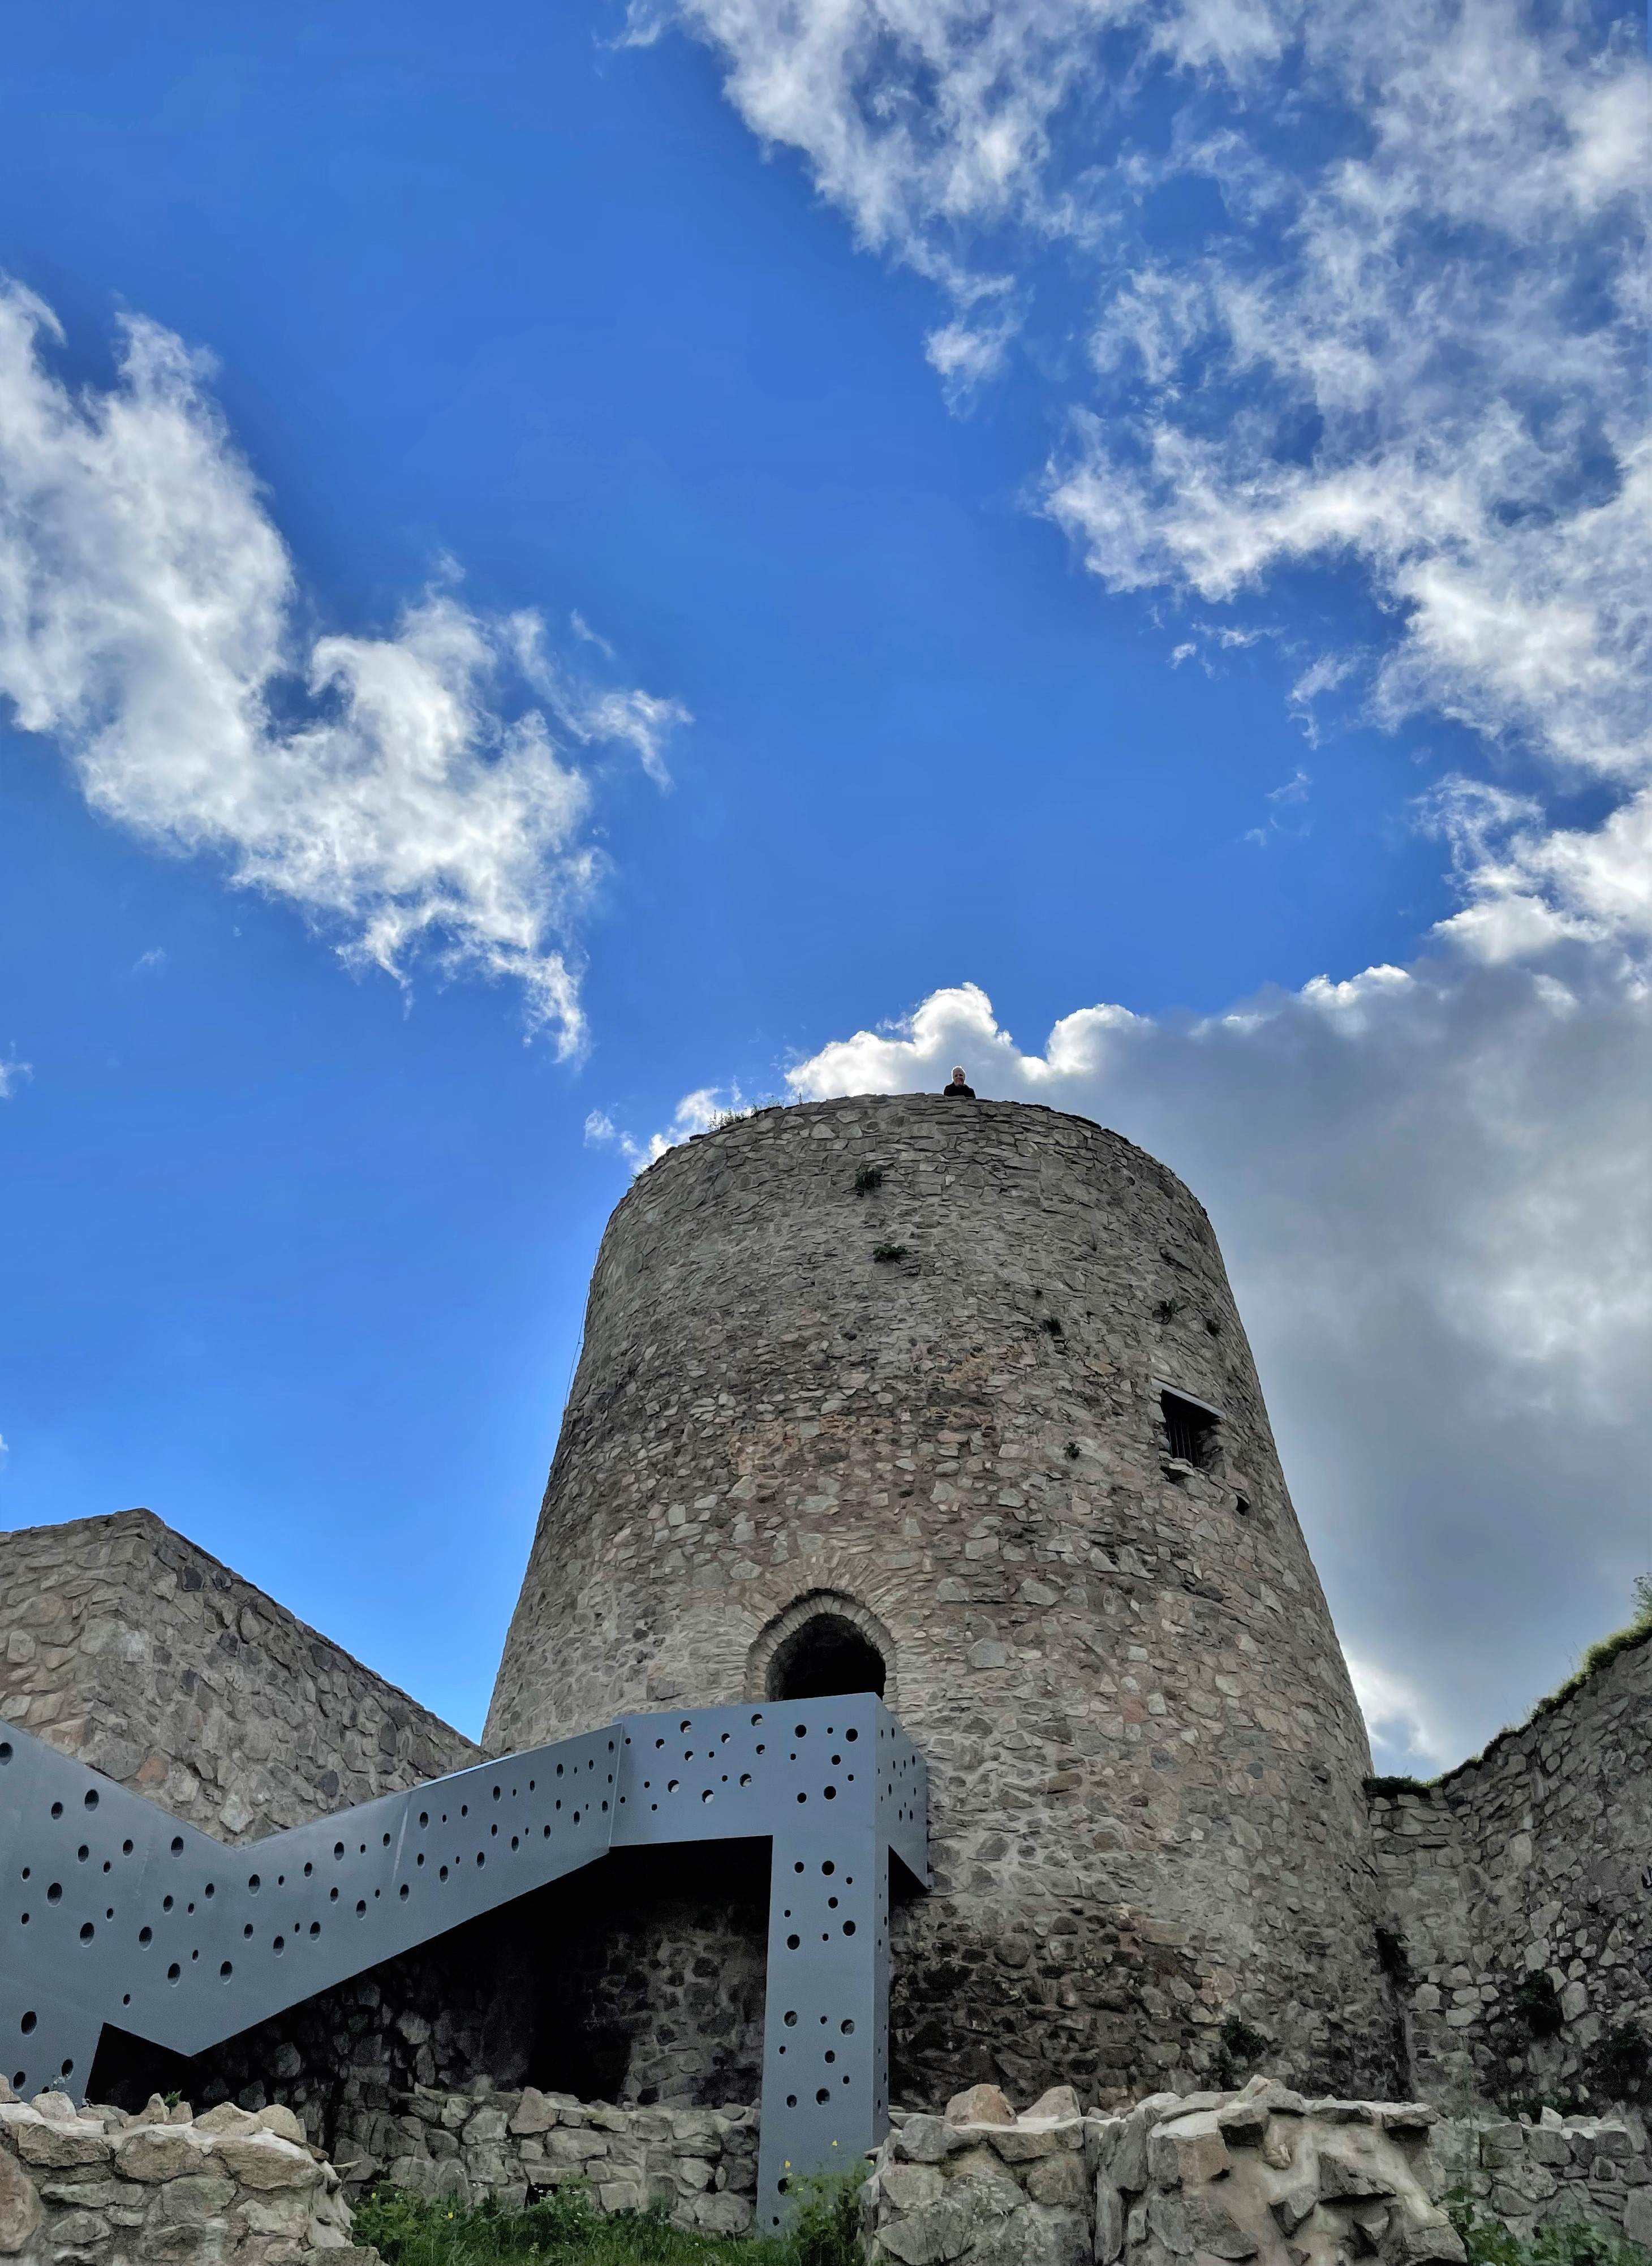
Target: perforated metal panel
point(114, 1912)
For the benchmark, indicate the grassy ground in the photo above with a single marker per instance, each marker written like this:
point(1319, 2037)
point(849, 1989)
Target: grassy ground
point(1574, 2242)
point(566, 2230)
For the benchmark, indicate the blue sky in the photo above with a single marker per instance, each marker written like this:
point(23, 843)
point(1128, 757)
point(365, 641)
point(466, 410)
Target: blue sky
point(995, 511)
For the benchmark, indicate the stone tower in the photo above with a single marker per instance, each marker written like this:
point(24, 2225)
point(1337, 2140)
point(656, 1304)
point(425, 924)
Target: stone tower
point(951, 1398)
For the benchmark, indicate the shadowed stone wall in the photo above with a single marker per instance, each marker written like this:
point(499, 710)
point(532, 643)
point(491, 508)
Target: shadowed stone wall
point(1145, 1757)
point(124, 1645)
point(1522, 1886)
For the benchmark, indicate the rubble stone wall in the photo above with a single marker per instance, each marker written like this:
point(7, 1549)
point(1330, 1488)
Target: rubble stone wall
point(1530, 2175)
point(702, 2163)
point(99, 2187)
point(1145, 1754)
point(1521, 1886)
point(1261, 2174)
point(124, 1645)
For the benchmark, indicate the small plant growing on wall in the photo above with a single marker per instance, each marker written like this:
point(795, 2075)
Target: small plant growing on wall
point(1535, 2001)
point(1620, 2066)
point(1238, 2050)
point(886, 1253)
point(1167, 1310)
point(868, 1179)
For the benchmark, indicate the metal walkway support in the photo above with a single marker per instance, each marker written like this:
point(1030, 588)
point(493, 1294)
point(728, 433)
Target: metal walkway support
point(115, 1911)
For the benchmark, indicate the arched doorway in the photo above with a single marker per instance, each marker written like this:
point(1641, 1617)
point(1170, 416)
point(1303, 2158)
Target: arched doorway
point(823, 1645)
point(827, 1655)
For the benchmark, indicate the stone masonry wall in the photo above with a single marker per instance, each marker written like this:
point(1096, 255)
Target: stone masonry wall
point(124, 1645)
point(1144, 1753)
point(1521, 1885)
point(701, 2163)
point(99, 2187)
point(1262, 2175)
point(1532, 2174)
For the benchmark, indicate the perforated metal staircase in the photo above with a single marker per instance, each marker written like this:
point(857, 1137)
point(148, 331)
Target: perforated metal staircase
point(116, 1912)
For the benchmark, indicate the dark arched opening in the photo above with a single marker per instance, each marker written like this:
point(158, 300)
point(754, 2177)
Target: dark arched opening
point(827, 1656)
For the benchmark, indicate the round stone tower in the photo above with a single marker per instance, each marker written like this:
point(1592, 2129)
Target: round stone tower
point(950, 1399)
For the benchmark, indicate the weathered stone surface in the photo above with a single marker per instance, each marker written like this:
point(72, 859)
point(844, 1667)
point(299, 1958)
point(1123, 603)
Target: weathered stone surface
point(22, 2213)
point(1340, 2186)
point(53, 2143)
point(1109, 2222)
point(927, 2140)
point(980, 2104)
point(1188, 2149)
point(154, 1664)
point(533, 2112)
point(1527, 1861)
point(1537, 2176)
point(965, 1456)
point(1059, 2182)
point(157, 2152)
point(263, 2161)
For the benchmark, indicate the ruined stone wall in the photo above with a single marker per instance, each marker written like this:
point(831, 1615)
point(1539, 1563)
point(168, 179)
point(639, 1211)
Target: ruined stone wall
point(124, 1645)
point(98, 2187)
point(699, 2165)
point(1521, 1886)
point(1144, 1753)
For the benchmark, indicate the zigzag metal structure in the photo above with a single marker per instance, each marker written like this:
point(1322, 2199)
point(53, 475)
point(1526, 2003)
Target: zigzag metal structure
point(116, 1912)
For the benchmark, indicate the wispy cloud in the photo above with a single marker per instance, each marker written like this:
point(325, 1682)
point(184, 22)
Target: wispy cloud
point(696, 1112)
point(1411, 347)
point(399, 790)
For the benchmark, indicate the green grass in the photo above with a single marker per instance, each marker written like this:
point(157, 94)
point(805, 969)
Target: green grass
point(1569, 2242)
point(567, 2229)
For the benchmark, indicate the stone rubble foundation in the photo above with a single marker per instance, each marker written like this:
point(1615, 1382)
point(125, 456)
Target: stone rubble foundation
point(1261, 2174)
point(702, 2163)
point(97, 2187)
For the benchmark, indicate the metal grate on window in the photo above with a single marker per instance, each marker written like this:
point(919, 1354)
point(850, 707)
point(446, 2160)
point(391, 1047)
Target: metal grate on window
point(1190, 1428)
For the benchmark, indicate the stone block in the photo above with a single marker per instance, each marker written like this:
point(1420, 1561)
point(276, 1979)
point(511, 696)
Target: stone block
point(927, 2140)
point(53, 2145)
point(979, 2104)
point(1109, 2222)
point(910, 2187)
point(1348, 2178)
point(1036, 2236)
point(1059, 2182)
point(157, 2151)
point(533, 2112)
point(263, 2161)
point(22, 2213)
point(1186, 2150)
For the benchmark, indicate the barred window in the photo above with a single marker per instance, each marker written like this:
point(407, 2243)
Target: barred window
point(1189, 1426)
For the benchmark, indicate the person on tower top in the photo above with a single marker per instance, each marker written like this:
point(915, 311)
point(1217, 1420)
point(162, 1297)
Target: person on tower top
point(958, 1089)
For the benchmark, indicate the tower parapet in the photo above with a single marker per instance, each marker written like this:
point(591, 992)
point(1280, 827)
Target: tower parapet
point(950, 1399)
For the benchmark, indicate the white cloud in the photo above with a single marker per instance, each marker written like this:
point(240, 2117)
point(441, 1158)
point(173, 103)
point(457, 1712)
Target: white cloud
point(696, 1112)
point(12, 1074)
point(387, 786)
point(1395, 1717)
point(1413, 346)
point(1432, 1187)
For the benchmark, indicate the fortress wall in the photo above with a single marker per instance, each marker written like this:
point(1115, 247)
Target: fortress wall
point(1144, 1753)
point(126, 1646)
point(1534, 1860)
